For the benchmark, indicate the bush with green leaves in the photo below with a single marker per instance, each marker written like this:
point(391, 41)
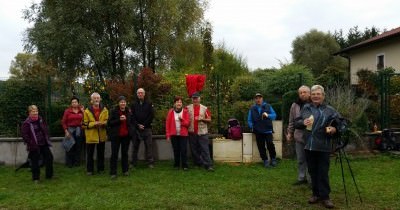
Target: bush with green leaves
point(244, 88)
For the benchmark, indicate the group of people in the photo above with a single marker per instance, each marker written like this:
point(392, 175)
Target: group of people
point(311, 124)
point(95, 125)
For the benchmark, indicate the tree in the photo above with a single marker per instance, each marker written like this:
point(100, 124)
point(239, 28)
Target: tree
point(27, 66)
point(315, 50)
point(354, 36)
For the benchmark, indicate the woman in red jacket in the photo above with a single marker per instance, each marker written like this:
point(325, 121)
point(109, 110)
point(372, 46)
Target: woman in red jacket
point(72, 122)
point(177, 124)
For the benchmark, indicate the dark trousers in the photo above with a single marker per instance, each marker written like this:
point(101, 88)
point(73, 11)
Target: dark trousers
point(34, 156)
point(318, 168)
point(73, 156)
point(115, 144)
point(100, 156)
point(262, 139)
point(146, 136)
point(199, 145)
point(179, 146)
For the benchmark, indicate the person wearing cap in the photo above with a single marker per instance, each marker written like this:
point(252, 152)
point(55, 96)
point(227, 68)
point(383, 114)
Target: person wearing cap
point(142, 117)
point(297, 134)
point(260, 118)
point(120, 135)
point(94, 121)
point(200, 116)
point(176, 126)
point(72, 125)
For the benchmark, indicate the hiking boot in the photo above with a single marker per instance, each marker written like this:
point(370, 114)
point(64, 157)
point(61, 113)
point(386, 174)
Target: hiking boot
point(313, 199)
point(300, 182)
point(266, 164)
point(185, 168)
point(274, 162)
point(113, 176)
point(210, 169)
point(89, 173)
point(36, 181)
point(328, 204)
point(151, 166)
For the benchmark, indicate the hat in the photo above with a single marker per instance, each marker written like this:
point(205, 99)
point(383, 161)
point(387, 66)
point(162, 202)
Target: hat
point(121, 98)
point(258, 95)
point(195, 95)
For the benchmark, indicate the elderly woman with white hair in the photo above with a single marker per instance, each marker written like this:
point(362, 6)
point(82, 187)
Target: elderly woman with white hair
point(317, 119)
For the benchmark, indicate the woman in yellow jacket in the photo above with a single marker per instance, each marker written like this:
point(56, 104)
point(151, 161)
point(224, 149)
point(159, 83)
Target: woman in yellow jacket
point(95, 121)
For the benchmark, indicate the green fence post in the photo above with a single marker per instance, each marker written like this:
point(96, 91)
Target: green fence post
point(218, 106)
point(49, 101)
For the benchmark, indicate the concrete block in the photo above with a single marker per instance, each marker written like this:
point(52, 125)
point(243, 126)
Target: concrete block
point(227, 150)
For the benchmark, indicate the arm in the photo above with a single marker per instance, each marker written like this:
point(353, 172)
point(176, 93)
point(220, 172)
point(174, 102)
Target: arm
point(207, 117)
point(167, 125)
point(64, 120)
point(87, 121)
point(113, 119)
point(25, 130)
point(290, 128)
point(272, 115)
point(249, 120)
point(185, 121)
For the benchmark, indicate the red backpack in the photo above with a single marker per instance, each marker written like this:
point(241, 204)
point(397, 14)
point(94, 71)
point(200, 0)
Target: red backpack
point(234, 129)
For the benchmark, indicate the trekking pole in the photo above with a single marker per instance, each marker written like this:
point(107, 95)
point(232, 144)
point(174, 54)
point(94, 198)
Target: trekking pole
point(343, 180)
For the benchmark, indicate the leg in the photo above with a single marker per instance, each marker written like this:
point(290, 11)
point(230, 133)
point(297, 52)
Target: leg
point(323, 172)
point(301, 161)
point(100, 156)
point(312, 160)
point(148, 142)
point(135, 149)
point(194, 148)
point(114, 155)
point(175, 147)
point(260, 139)
point(77, 150)
point(34, 157)
point(124, 154)
point(183, 150)
point(48, 161)
point(205, 153)
point(89, 157)
point(270, 146)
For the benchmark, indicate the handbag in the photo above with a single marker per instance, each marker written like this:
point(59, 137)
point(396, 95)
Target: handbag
point(68, 143)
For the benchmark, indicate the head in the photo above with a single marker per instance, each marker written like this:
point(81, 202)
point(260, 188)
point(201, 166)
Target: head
point(122, 102)
point(95, 99)
point(304, 93)
point(258, 98)
point(33, 112)
point(317, 94)
point(140, 94)
point(196, 98)
point(178, 103)
point(74, 102)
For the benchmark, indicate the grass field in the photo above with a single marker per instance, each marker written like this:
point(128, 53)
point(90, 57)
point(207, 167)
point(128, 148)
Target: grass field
point(231, 186)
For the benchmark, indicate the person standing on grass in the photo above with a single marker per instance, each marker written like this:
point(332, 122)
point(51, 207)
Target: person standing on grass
point(142, 117)
point(297, 134)
point(36, 137)
point(72, 125)
point(95, 121)
point(260, 118)
point(316, 119)
point(120, 133)
point(200, 117)
point(176, 125)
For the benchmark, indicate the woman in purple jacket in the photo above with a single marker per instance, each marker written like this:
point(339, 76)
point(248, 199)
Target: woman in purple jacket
point(35, 135)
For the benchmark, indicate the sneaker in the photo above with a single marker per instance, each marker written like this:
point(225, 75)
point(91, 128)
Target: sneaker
point(328, 204)
point(313, 199)
point(185, 168)
point(113, 176)
point(89, 173)
point(300, 182)
point(266, 164)
point(36, 181)
point(210, 169)
point(151, 166)
point(274, 162)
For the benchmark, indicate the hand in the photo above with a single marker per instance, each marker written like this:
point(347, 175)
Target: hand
point(330, 130)
point(141, 127)
point(67, 134)
point(307, 122)
point(289, 137)
point(122, 117)
point(265, 115)
point(168, 139)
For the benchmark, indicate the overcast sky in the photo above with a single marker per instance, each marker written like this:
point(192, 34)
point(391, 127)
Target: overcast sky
point(261, 31)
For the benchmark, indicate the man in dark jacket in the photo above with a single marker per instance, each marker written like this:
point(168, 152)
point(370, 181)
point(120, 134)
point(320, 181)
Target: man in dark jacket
point(260, 119)
point(142, 117)
point(316, 118)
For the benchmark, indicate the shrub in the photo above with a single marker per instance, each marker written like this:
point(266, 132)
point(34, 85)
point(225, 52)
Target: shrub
point(244, 88)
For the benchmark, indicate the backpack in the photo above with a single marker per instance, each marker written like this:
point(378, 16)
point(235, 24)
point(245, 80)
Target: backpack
point(234, 129)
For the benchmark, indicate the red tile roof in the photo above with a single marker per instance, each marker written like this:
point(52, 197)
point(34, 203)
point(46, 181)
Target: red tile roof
point(386, 35)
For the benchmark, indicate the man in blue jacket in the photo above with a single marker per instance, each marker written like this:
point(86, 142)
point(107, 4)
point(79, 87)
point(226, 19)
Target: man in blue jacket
point(260, 119)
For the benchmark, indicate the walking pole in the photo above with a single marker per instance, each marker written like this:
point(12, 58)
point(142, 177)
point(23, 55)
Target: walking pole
point(352, 175)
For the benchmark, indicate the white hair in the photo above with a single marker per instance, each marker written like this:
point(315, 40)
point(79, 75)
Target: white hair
point(141, 90)
point(318, 87)
point(304, 87)
point(95, 94)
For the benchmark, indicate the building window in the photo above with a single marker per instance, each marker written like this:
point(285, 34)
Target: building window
point(380, 62)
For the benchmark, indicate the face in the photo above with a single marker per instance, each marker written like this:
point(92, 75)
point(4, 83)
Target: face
point(96, 100)
point(34, 113)
point(178, 104)
point(140, 94)
point(74, 103)
point(196, 100)
point(259, 100)
point(304, 94)
point(122, 104)
point(317, 97)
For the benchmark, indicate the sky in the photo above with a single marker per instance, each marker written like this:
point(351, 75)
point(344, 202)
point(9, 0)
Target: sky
point(260, 31)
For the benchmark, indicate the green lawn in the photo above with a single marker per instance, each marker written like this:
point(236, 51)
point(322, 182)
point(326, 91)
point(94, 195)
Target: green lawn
point(235, 186)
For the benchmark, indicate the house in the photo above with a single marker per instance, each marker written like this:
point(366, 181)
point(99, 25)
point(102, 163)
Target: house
point(373, 54)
